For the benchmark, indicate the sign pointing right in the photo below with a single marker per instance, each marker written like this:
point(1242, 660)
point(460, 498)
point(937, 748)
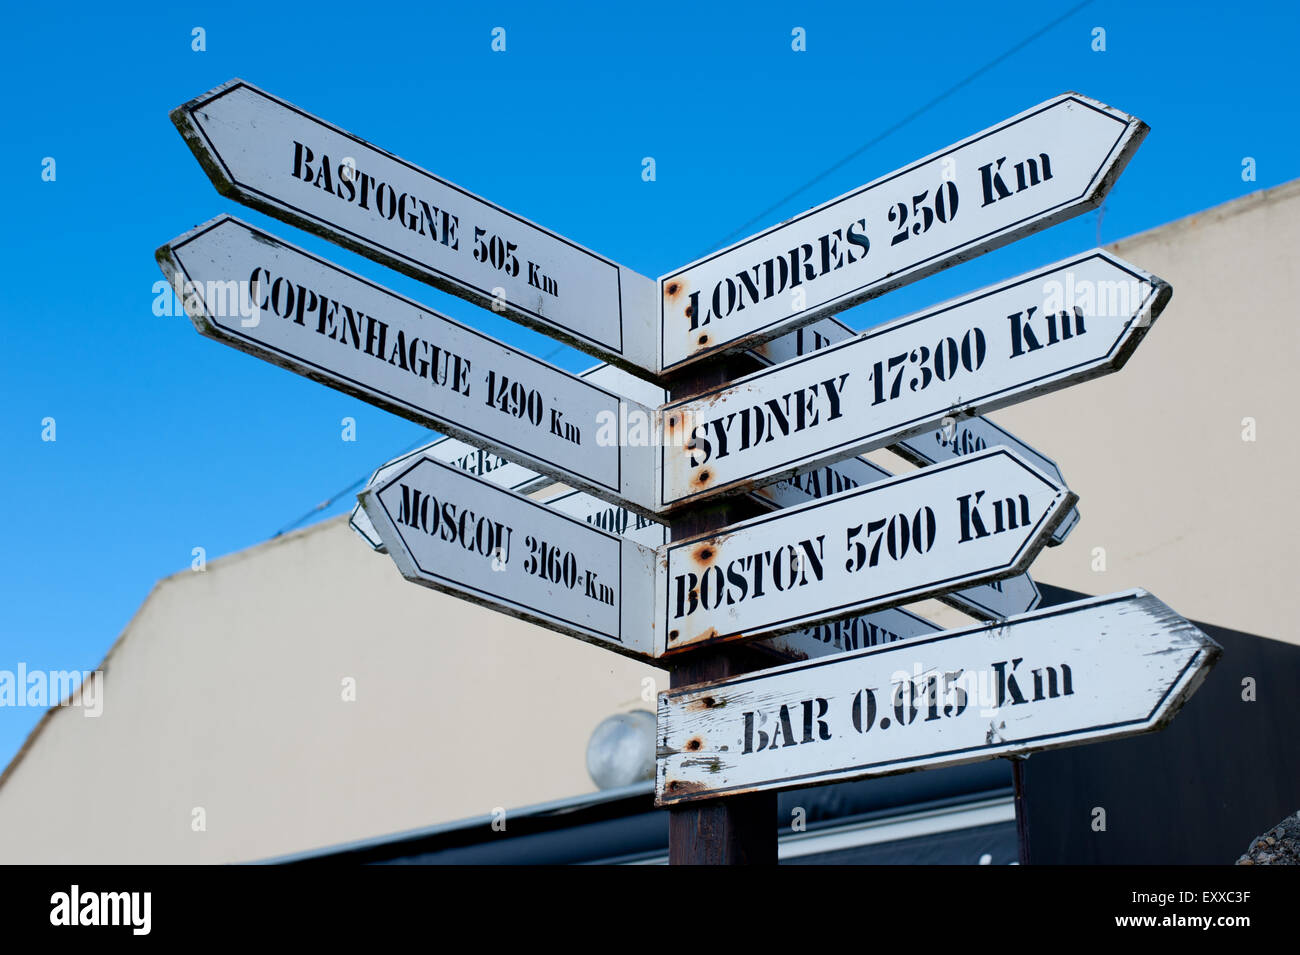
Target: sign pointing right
point(941, 528)
point(1047, 164)
point(1095, 669)
point(1037, 333)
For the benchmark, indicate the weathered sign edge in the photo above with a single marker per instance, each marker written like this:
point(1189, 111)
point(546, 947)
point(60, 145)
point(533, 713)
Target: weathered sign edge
point(641, 623)
point(1174, 699)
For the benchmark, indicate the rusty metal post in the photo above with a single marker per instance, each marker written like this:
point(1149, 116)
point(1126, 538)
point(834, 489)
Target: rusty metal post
point(734, 830)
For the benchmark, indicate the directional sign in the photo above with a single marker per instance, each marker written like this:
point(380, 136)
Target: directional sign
point(454, 532)
point(953, 438)
point(1095, 669)
point(1037, 333)
point(1047, 164)
point(491, 467)
point(941, 528)
point(991, 601)
point(272, 156)
point(247, 289)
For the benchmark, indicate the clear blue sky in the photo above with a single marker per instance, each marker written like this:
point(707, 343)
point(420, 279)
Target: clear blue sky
point(167, 441)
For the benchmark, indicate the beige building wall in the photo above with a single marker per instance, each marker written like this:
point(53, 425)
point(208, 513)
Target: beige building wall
point(1180, 503)
point(226, 693)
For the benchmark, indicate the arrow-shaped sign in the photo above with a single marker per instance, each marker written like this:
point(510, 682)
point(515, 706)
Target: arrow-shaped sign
point(934, 530)
point(1070, 322)
point(249, 290)
point(272, 156)
point(454, 532)
point(1091, 670)
point(1036, 169)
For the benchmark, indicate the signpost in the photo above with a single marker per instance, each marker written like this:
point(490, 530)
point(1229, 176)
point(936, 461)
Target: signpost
point(1036, 169)
point(247, 289)
point(660, 551)
point(456, 533)
point(272, 156)
point(941, 528)
point(1070, 322)
point(1096, 669)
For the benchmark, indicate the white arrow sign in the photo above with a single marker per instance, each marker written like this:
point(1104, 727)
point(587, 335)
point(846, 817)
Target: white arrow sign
point(942, 528)
point(1070, 322)
point(454, 532)
point(1047, 164)
point(1095, 669)
point(249, 290)
point(272, 156)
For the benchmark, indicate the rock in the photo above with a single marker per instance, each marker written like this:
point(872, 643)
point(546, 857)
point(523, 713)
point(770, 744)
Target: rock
point(1279, 846)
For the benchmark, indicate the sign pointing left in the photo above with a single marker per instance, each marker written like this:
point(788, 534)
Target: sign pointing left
point(451, 531)
point(253, 292)
point(272, 156)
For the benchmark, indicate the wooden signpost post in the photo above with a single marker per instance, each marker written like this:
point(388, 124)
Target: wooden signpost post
point(732, 525)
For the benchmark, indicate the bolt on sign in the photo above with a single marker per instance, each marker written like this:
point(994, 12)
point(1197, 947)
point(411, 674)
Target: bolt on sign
point(325, 323)
point(1095, 669)
point(1070, 322)
point(942, 528)
point(451, 531)
point(1046, 165)
point(267, 154)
